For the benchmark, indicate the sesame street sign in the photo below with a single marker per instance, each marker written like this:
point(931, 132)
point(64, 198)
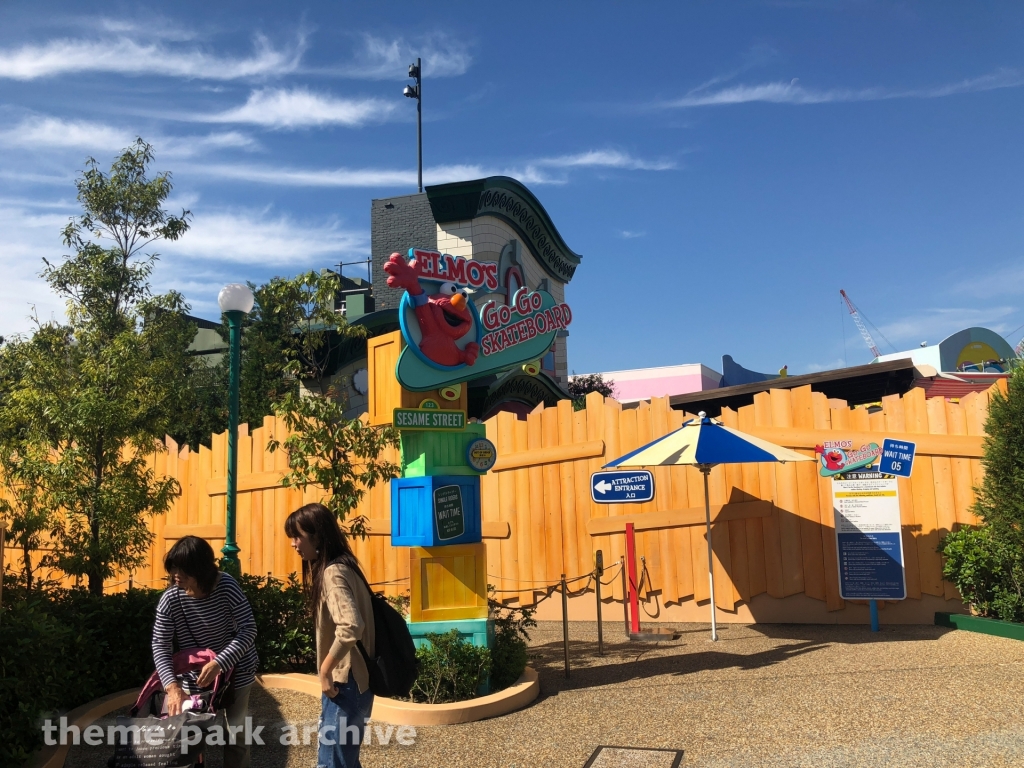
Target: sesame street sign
point(448, 340)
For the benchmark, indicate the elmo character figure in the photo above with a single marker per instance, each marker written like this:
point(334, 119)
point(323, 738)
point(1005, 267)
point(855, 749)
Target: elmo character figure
point(443, 317)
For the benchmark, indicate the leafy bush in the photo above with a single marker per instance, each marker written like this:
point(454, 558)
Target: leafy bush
point(36, 672)
point(60, 648)
point(987, 564)
point(509, 656)
point(988, 573)
point(284, 639)
point(450, 669)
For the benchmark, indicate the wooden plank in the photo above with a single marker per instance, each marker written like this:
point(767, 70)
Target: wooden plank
point(218, 469)
point(524, 519)
point(975, 406)
point(895, 417)
point(549, 455)
point(610, 415)
point(489, 504)
point(662, 503)
point(243, 516)
point(829, 553)
point(581, 481)
point(755, 531)
point(675, 518)
point(502, 426)
point(538, 528)
point(254, 481)
point(927, 444)
point(595, 413)
point(942, 478)
point(787, 501)
point(771, 525)
point(567, 485)
point(963, 492)
point(807, 495)
point(256, 534)
point(648, 542)
point(552, 497)
point(923, 489)
point(207, 531)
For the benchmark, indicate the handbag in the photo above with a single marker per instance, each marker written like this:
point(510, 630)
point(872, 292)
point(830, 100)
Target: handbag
point(152, 742)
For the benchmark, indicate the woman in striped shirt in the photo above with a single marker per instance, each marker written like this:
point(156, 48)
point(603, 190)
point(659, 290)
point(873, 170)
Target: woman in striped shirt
point(204, 608)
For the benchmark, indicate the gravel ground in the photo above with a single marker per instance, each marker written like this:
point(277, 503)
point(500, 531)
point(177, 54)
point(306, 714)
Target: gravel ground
point(763, 696)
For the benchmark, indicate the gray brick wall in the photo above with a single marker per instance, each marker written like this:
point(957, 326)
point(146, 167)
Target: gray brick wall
point(397, 224)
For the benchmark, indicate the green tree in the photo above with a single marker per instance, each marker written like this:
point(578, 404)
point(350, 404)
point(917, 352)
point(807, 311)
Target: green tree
point(987, 564)
point(582, 385)
point(22, 502)
point(342, 457)
point(99, 391)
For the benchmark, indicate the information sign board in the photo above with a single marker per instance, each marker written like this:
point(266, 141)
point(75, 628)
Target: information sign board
point(897, 457)
point(429, 418)
point(866, 506)
point(448, 513)
point(622, 487)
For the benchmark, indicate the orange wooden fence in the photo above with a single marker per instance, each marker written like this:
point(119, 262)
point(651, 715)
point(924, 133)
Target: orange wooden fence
point(540, 522)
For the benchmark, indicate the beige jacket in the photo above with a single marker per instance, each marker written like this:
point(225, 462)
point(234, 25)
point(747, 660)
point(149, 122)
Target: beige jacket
point(344, 615)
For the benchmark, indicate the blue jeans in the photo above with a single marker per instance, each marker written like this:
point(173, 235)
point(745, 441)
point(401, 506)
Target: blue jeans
point(342, 724)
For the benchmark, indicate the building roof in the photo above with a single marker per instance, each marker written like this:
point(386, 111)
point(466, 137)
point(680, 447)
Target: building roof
point(856, 385)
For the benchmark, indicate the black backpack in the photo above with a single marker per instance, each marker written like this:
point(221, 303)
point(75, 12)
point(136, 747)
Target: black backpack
point(395, 669)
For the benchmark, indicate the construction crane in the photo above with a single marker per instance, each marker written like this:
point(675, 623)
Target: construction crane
point(860, 324)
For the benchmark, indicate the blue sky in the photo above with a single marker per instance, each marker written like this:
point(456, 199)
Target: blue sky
point(723, 168)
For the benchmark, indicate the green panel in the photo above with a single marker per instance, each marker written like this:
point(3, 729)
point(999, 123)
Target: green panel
point(426, 453)
point(478, 632)
point(981, 625)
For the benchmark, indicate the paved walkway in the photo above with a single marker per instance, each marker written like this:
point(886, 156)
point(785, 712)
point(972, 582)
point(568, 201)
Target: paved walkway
point(771, 695)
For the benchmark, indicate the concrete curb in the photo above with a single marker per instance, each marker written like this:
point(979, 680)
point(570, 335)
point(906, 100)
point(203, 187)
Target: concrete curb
point(396, 712)
point(980, 624)
point(391, 711)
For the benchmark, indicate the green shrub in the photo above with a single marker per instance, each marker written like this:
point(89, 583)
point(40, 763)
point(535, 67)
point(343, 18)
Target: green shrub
point(284, 639)
point(37, 675)
point(987, 564)
point(509, 655)
point(60, 648)
point(450, 669)
point(988, 572)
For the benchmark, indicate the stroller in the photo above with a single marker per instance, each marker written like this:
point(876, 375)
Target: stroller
point(149, 716)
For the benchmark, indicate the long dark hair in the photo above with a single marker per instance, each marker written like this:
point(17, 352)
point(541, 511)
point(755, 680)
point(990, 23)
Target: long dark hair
point(319, 523)
point(194, 557)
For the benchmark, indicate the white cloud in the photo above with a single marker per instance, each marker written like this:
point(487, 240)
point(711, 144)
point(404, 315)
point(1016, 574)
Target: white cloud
point(531, 172)
point(605, 158)
point(629, 234)
point(299, 108)
point(126, 56)
point(29, 234)
point(40, 132)
point(793, 92)
point(382, 59)
point(52, 132)
point(261, 238)
point(933, 325)
point(815, 367)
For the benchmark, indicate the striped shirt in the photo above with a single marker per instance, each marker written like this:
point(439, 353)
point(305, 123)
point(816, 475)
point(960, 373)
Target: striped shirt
point(222, 621)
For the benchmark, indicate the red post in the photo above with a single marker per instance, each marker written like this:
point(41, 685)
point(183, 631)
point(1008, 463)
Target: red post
point(634, 603)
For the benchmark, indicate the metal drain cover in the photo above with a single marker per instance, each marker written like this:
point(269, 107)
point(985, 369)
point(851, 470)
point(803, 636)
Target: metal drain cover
point(635, 757)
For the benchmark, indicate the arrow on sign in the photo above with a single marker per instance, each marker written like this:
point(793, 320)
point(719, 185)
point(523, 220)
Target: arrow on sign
point(603, 486)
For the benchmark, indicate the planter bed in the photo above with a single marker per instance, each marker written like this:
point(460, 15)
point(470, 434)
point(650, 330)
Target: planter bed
point(980, 624)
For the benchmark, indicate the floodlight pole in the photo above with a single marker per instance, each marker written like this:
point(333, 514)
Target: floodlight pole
point(706, 470)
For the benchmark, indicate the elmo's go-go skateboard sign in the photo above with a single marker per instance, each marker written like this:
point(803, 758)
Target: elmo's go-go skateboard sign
point(448, 339)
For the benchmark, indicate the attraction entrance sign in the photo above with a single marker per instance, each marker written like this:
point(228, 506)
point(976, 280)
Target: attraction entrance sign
point(448, 340)
point(869, 540)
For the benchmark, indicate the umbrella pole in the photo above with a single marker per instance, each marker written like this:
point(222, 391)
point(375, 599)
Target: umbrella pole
point(706, 470)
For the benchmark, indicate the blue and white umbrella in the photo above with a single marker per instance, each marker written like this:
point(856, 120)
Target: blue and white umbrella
point(703, 443)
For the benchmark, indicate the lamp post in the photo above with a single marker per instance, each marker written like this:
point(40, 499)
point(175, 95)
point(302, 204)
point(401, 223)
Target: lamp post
point(236, 302)
point(416, 92)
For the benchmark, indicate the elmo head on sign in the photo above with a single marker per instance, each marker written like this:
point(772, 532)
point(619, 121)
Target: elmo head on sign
point(443, 317)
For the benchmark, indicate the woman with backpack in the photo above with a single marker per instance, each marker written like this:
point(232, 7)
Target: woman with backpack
point(205, 608)
point(339, 599)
